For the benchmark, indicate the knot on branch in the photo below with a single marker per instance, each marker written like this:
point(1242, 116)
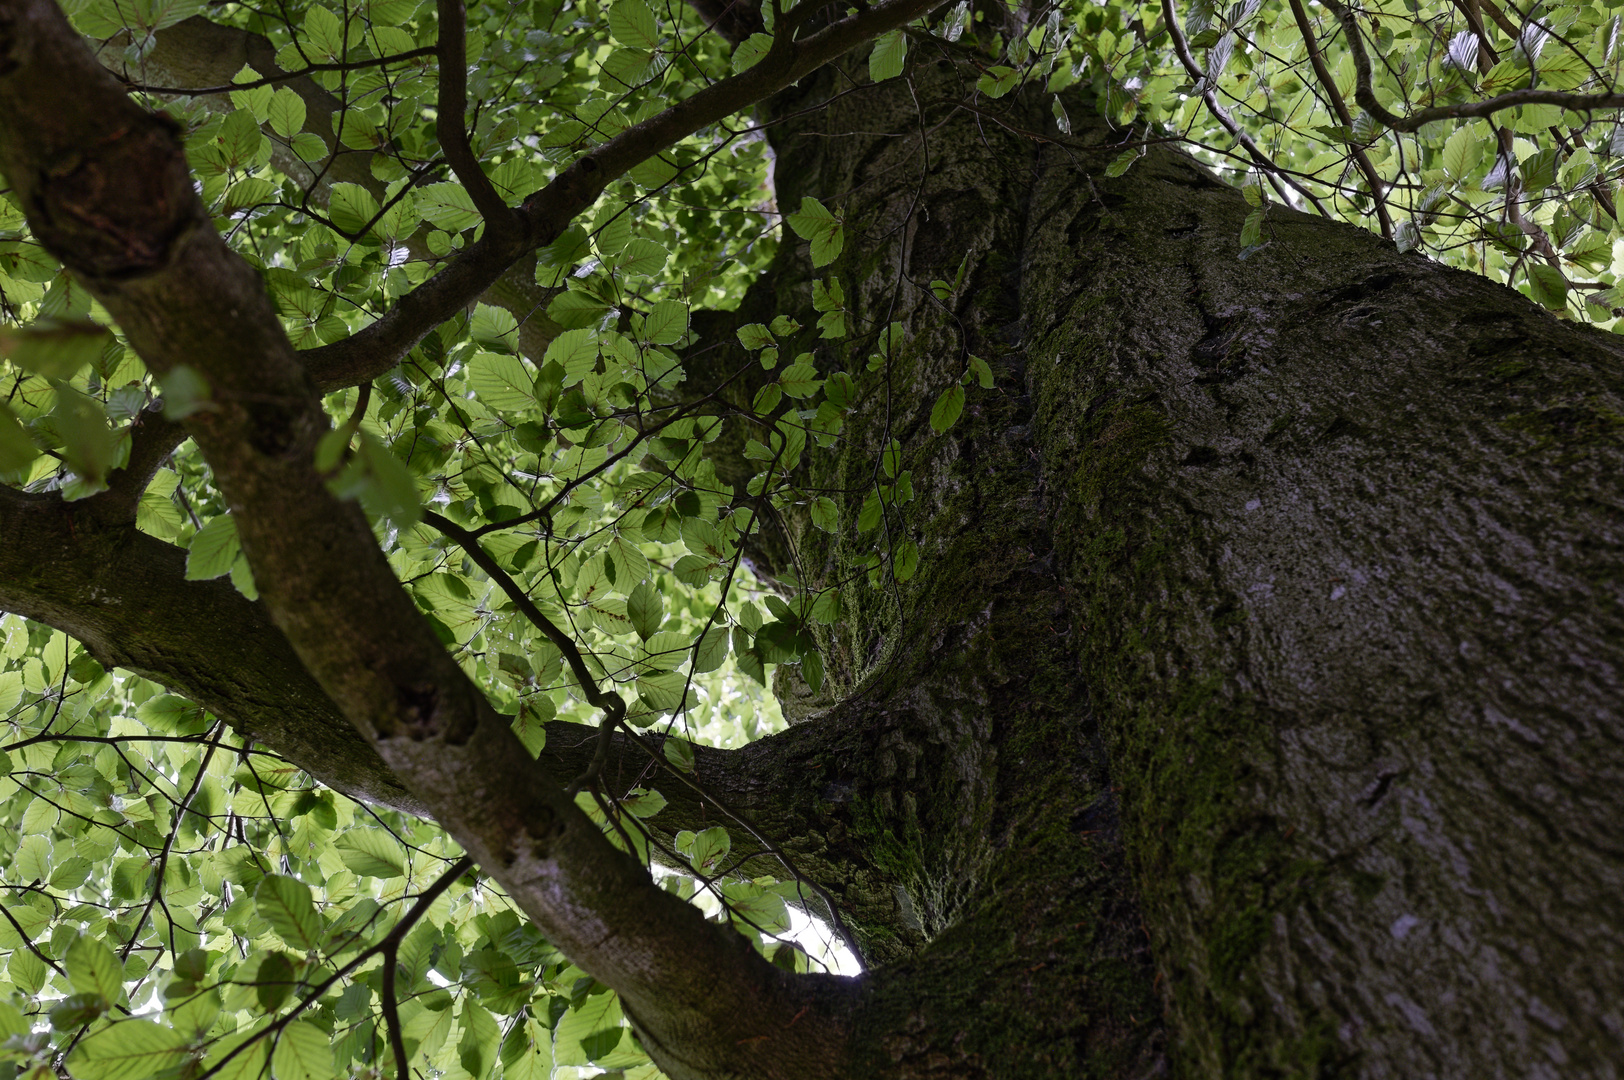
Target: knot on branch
point(119, 207)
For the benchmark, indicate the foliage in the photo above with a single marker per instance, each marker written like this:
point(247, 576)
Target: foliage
point(177, 902)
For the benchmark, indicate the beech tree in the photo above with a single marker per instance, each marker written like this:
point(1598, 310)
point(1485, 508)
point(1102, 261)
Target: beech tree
point(1164, 463)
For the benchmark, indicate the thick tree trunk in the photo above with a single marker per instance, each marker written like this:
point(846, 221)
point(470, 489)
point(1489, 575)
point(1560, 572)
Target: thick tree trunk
point(1261, 677)
point(1254, 711)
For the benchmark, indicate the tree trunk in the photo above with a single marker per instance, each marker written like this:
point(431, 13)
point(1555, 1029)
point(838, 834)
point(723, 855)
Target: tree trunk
point(1255, 708)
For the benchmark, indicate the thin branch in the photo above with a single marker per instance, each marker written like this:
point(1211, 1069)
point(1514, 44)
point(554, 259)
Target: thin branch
point(1209, 95)
point(612, 704)
point(1471, 110)
point(450, 125)
point(1378, 192)
point(390, 941)
point(380, 346)
point(272, 80)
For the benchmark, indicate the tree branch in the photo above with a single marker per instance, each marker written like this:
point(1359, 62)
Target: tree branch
point(449, 124)
point(280, 77)
point(1378, 192)
point(1366, 96)
point(1210, 96)
point(202, 55)
point(380, 346)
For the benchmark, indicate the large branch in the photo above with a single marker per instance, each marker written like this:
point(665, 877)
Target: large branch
point(106, 190)
point(123, 595)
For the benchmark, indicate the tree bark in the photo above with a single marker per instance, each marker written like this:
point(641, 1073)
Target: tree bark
point(1254, 710)
point(1292, 583)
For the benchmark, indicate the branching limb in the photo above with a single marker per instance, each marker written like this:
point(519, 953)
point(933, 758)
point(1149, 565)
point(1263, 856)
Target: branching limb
point(380, 346)
point(388, 946)
point(1366, 95)
point(281, 77)
point(1210, 96)
point(612, 704)
point(1378, 190)
point(449, 123)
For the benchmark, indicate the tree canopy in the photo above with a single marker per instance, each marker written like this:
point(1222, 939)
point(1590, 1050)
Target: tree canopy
point(403, 315)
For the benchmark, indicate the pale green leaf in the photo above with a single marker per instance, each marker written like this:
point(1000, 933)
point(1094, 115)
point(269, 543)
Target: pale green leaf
point(890, 50)
point(285, 903)
point(303, 1052)
point(371, 853)
point(128, 1050)
point(213, 549)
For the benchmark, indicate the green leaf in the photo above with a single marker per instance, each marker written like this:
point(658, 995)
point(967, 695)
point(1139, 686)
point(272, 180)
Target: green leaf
point(248, 1065)
point(32, 860)
point(825, 515)
point(998, 81)
point(710, 650)
point(274, 982)
point(303, 1052)
point(945, 413)
point(186, 391)
point(128, 1050)
point(632, 23)
point(324, 34)
point(239, 140)
point(93, 968)
point(748, 53)
point(285, 903)
point(446, 206)
point(57, 349)
point(982, 372)
point(588, 1031)
point(481, 1038)
point(812, 670)
point(905, 560)
point(16, 448)
point(1462, 151)
point(641, 258)
point(705, 850)
point(643, 803)
point(352, 208)
point(890, 50)
point(646, 610)
point(501, 382)
point(800, 379)
point(1547, 286)
point(680, 753)
point(631, 565)
point(213, 549)
point(286, 112)
point(1122, 162)
point(667, 322)
point(814, 223)
point(88, 444)
point(755, 336)
point(371, 853)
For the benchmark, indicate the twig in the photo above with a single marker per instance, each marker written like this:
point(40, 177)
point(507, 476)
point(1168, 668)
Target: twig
point(1377, 191)
point(1210, 96)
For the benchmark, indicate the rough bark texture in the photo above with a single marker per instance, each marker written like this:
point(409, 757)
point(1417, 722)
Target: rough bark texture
point(1254, 711)
point(1296, 579)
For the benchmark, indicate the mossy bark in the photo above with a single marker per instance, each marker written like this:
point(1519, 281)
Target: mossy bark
point(1268, 614)
point(1254, 709)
